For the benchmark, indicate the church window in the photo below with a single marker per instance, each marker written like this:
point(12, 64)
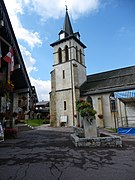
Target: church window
point(65, 105)
point(63, 74)
point(76, 53)
point(66, 54)
point(80, 56)
point(112, 103)
point(60, 55)
point(89, 99)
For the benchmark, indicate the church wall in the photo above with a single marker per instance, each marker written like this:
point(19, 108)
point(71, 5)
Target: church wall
point(98, 106)
point(63, 83)
point(79, 74)
point(108, 121)
point(101, 103)
point(121, 113)
point(53, 109)
point(60, 98)
point(53, 100)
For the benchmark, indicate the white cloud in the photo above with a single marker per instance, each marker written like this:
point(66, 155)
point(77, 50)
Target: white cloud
point(55, 9)
point(28, 59)
point(80, 7)
point(15, 9)
point(128, 32)
point(42, 87)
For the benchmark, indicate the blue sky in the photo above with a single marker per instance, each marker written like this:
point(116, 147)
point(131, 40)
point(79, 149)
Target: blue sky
point(107, 28)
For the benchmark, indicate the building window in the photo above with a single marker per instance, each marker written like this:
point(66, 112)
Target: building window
point(65, 105)
point(60, 55)
point(76, 53)
point(63, 74)
point(113, 103)
point(66, 54)
point(80, 56)
point(89, 99)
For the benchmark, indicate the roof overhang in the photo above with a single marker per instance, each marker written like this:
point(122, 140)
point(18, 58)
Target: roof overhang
point(66, 39)
point(127, 100)
point(107, 90)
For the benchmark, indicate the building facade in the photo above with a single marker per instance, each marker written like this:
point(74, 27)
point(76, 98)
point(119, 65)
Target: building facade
point(16, 92)
point(113, 96)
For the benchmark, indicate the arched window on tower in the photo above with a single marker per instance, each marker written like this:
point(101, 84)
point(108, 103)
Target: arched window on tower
point(80, 56)
point(66, 53)
point(76, 53)
point(60, 55)
point(89, 99)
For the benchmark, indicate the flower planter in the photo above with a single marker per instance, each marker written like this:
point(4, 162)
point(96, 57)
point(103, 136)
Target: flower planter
point(90, 129)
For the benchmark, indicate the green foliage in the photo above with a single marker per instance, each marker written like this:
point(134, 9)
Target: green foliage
point(85, 108)
point(36, 122)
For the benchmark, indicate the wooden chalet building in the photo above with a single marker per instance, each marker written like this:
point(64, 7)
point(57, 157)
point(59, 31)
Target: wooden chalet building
point(17, 95)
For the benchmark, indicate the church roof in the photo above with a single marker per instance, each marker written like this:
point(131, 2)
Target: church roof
point(68, 38)
point(67, 28)
point(110, 81)
point(69, 34)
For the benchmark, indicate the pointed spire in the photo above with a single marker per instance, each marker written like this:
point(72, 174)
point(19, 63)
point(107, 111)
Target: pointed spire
point(67, 28)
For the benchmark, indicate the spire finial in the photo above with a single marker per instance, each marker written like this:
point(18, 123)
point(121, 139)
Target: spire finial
point(66, 8)
point(66, 5)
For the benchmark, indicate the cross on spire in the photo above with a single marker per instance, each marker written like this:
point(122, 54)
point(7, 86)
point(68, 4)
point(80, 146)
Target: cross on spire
point(66, 8)
point(67, 28)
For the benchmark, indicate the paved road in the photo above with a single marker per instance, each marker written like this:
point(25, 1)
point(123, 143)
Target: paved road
point(48, 154)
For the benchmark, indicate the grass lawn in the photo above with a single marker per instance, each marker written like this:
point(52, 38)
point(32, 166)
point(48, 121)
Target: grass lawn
point(36, 122)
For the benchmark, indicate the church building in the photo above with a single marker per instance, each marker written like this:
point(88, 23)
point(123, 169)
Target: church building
point(69, 83)
point(68, 75)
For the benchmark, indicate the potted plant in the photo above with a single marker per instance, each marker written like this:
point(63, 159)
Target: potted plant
point(86, 110)
point(87, 113)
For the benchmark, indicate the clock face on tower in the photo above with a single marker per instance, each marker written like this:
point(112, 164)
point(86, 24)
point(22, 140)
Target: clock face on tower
point(62, 36)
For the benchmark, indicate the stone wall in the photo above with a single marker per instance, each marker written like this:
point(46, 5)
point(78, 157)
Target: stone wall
point(79, 132)
point(106, 141)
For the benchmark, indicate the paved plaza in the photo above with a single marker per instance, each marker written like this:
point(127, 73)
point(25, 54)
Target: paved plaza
point(47, 153)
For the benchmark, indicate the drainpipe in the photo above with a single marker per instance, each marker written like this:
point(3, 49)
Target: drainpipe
point(72, 86)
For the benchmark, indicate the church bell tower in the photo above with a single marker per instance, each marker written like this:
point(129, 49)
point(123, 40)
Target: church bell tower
point(69, 72)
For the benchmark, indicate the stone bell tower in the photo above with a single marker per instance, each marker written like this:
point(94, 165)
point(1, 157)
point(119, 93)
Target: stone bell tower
point(67, 76)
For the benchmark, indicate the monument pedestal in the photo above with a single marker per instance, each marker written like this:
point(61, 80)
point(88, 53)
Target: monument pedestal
point(90, 128)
